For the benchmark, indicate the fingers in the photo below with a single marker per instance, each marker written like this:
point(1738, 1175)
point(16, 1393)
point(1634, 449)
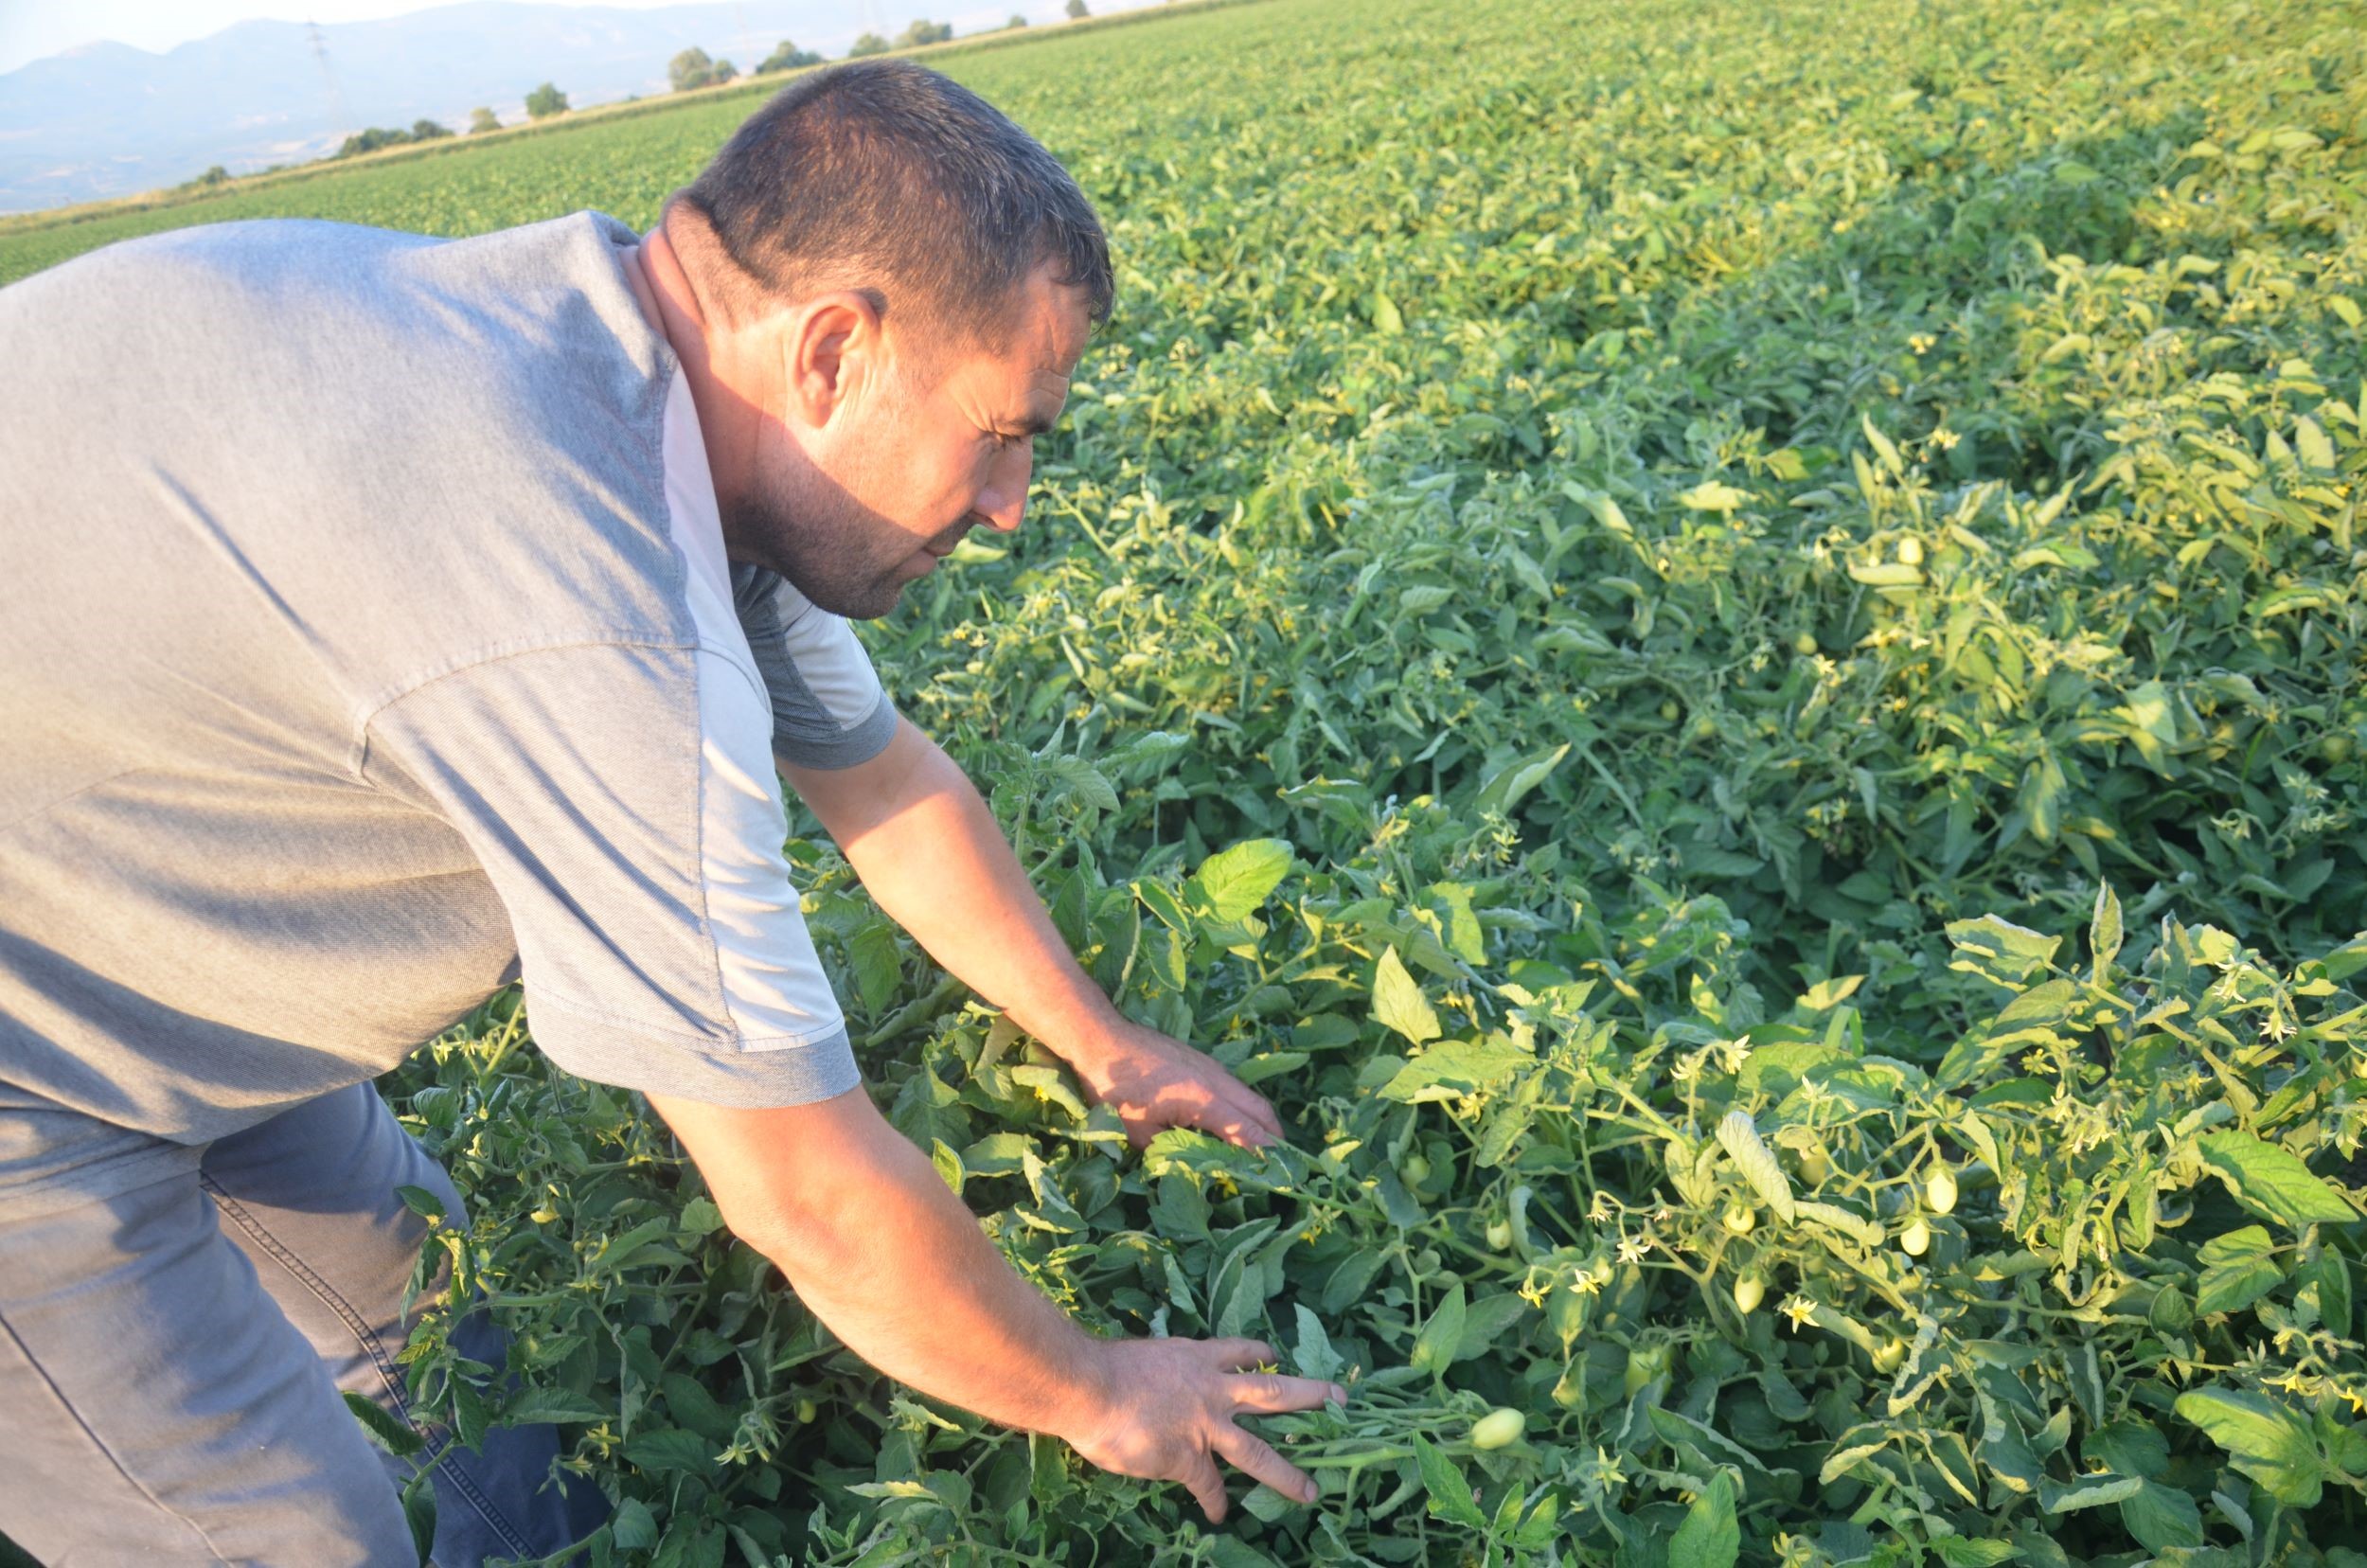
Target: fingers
point(1269, 1394)
point(1254, 1457)
point(1238, 1355)
point(1206, 1486)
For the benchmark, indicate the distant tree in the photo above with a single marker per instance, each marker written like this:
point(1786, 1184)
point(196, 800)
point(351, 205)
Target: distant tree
point(869, 43)
point(691, 68)
point(545, 101)
point(788, 57)
point(212, 177)
point(370, 140)
point(918, 33)
point(1016, 21)
point(427, 130)
point(1076, 9)
point(481, 120)
point(725, 71)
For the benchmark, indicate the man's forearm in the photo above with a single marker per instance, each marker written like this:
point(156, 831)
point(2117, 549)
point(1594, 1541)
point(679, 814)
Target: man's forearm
point(938, 863)
point(874, 1243)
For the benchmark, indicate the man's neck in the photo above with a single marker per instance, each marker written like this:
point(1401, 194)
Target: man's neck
point(668, 299)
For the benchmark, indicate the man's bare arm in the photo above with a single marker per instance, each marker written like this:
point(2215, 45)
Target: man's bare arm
point(882, 1252)
point(926, 847)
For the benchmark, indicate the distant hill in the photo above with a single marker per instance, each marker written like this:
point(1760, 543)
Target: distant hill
point(111, 120)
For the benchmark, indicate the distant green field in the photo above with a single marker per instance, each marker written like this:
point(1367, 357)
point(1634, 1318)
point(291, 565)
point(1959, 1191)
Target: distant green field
point(1726, 645)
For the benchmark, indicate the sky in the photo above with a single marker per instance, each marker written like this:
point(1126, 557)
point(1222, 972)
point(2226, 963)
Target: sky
point(32, 29)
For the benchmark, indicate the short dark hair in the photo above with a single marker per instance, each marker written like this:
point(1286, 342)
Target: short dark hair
point(884, 176)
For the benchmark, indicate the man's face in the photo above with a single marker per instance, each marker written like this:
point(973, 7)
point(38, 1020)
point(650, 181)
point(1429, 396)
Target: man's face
point(924, 448)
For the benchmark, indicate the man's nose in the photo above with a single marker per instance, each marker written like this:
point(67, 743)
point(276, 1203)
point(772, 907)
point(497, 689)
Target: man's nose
point(1004, 499)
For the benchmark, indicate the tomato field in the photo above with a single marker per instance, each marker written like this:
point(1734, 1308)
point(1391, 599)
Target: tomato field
point(1724, 647)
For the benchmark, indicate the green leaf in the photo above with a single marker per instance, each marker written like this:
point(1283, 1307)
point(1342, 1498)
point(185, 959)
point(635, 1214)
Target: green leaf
point(700, 1217)
point(1233, 882)
point(1449, 1493)
point(1454, 1068)
point(1999, 948)
point(1398, 1002)
point(664, 1448)
point(878, 967)
point(390, 1432)
point(1710, 1537)
point(1966, 1552)
point(1387, 318)
point(633, 1527)
point(2104, 930)
point(549, 1406)
point(2163, 1518)
point(2237, 1270)
point(1442, 1332)
point(2270, 1181)
point(1710, 495)
point(418, 1514)
point(2309, 440)
point(1758, 1164)
point(2263, 1440)
point(2087, 1491)
point(1313, 1355)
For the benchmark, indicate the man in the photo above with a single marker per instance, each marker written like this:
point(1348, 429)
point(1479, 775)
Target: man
point(386, 617)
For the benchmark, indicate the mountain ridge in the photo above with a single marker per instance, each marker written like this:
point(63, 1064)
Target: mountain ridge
point(108, 119)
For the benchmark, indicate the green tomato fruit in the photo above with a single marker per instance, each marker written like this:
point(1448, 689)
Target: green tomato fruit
point(1500, 1234)
point(2335, 748)
point(1888, 1357)
point(1916, 1239)
point(807, 1411)
point(1741, 1218)
point(1939, 1190)
point(1814, 1167)
point(1645, 1362)
point(1498, 1429)
point(1749, 1291)
point(1416, 1170)
point(1911, 552)
point(1804, 644)
point(1669, 711)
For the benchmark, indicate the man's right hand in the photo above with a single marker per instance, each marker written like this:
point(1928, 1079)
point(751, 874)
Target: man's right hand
point(879, 1249)
point(1168, 1408)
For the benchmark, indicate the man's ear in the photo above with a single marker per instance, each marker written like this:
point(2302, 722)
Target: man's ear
point(835, 355)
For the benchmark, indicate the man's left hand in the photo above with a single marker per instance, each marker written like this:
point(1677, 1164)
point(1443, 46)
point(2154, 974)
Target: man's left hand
point(1154, 1081)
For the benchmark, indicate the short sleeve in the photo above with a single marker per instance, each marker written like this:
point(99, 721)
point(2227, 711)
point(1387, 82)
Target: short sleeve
point(623, 802)
point(829, 708)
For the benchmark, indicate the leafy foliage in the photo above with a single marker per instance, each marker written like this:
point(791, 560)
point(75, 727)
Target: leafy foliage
point(787, 56)
point(693, 68)
point(1668, 632)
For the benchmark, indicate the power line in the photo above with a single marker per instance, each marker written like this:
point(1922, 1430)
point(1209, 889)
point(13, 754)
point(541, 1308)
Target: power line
point(339, 109)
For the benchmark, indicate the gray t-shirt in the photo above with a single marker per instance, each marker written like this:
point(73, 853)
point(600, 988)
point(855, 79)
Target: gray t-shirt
point(365, 638)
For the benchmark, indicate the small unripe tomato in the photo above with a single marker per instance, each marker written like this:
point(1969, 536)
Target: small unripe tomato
point(1500, 1234)
point(1416, 1170)
point(1645, 1362)
point(1814, 1167)
point(1669, 711)
point(1498, 1429)
point(1749, 1291)
point(807, 1411)
point(1939, 1190)
point(1889, 1355)
point(1911, 552)
point(1916, 1239)
point(1804, 644)
point(2335, 748)
point(1740, 1218)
